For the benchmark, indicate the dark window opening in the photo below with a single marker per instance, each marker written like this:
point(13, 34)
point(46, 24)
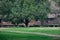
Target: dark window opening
point(58, 16)
point(0, 20)
point(51, 18)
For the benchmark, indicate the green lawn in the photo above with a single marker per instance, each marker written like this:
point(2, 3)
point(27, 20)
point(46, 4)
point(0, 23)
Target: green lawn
point(5, 33)
point(48, 30)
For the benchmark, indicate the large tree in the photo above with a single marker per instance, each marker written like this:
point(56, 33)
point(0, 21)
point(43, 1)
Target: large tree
point(31, 9)
point(26, 10)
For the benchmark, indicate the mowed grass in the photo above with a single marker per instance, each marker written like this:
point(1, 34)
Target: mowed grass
point(48, 30)
point(5, 33)
point(22, 36)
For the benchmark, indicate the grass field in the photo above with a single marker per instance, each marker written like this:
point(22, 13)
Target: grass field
point(15, 33)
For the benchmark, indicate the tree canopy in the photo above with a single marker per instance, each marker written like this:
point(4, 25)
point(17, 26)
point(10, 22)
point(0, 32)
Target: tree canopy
point(17, 11)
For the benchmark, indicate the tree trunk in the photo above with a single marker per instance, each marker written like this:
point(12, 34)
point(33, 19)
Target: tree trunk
point(26, 22)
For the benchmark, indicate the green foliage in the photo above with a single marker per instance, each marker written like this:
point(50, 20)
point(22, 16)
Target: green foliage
point(5, 7)
point(16, 10)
